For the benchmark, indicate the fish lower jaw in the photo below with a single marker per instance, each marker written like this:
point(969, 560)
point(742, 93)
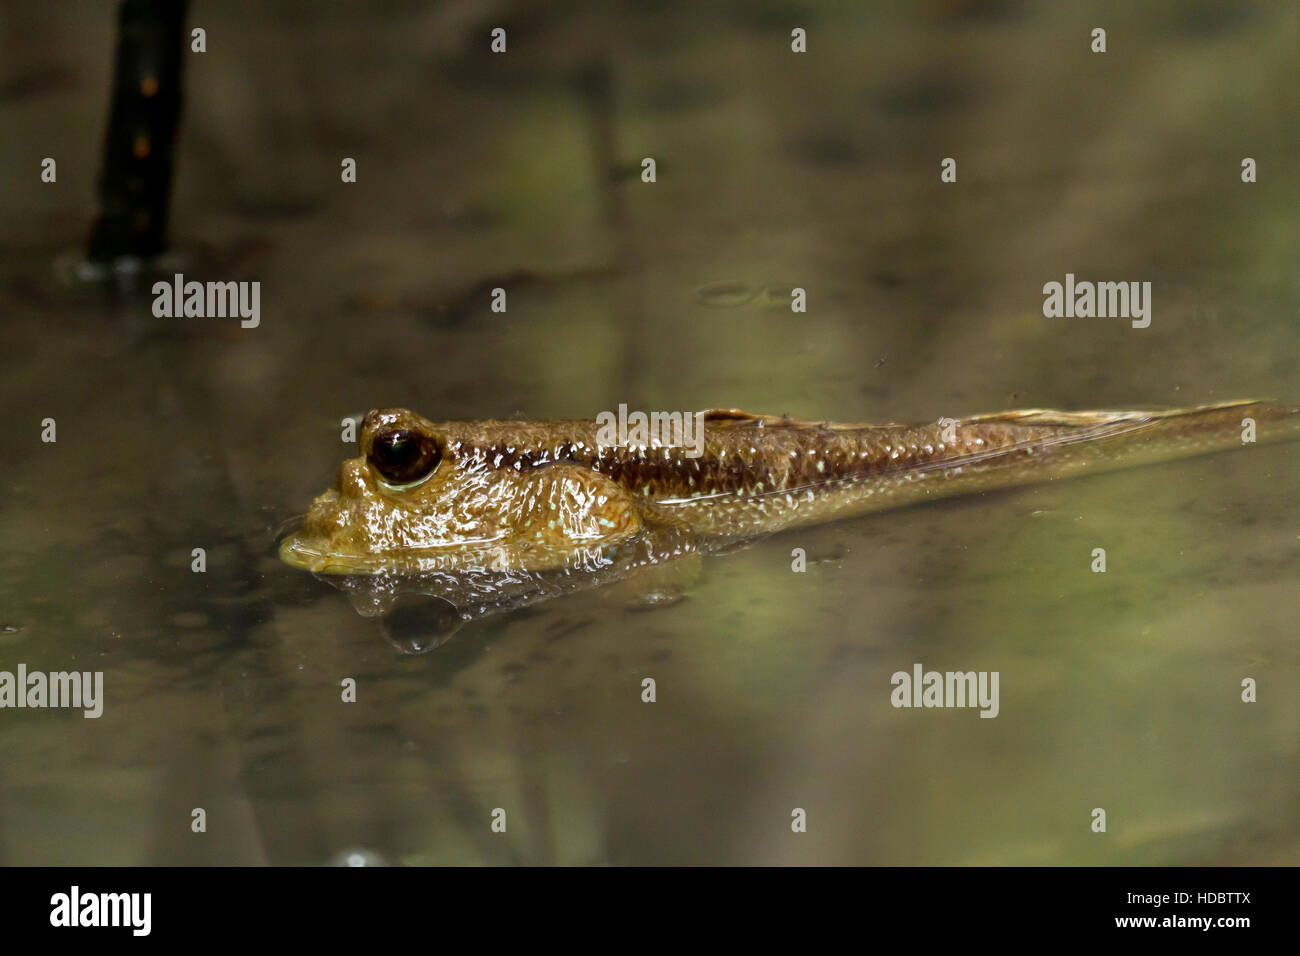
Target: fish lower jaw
point(297, 554)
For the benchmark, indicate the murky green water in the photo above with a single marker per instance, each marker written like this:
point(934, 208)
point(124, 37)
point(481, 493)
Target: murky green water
point(1118, 690)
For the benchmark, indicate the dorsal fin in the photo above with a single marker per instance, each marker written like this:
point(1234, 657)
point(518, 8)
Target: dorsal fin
point(735, 417)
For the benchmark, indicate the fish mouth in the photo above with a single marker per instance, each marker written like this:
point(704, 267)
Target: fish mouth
point(297, 553)
point(311, 551)
point(314, 552)
point(300, 551)
point(304, 543)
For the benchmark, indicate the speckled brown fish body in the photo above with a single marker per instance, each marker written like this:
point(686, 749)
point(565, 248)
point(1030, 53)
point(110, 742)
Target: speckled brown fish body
point(510, 495)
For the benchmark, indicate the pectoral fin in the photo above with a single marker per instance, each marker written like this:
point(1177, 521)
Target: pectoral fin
point(564, 510)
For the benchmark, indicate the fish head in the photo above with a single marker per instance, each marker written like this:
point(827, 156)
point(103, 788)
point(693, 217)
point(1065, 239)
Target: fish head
point(424, 495)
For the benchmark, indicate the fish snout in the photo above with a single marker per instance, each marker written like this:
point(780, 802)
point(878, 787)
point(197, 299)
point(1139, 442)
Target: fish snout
point(354, 479)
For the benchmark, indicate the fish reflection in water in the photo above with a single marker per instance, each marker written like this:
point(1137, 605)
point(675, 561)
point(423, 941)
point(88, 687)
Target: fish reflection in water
point(419, 610)
point(439, 523)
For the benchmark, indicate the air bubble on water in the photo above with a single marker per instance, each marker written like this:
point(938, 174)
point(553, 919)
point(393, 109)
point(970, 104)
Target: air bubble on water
point(357, 856)
point(420, 622)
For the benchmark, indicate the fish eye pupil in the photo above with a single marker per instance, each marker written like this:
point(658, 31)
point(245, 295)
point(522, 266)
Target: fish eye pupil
point(404, 456)
point(397, 450)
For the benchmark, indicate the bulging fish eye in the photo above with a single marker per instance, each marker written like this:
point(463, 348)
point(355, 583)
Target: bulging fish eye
point(404, 456)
